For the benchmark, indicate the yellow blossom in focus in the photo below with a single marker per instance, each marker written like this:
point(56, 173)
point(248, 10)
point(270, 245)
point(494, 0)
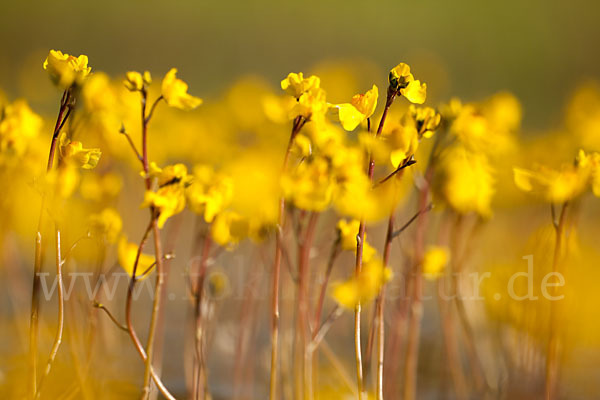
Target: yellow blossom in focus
point(66, 70)
point(358, 110)
point(404, 83)
point(168, 201)
point(311, 105)
point(134, 81)
point(434, 261)
point(127, 253)
point(295, 84)
point(362, 288)
point(174, 91)
point(72, 152)
point(107, 224)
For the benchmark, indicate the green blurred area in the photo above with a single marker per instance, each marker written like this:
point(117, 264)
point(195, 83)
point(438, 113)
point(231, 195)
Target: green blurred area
point(538, 49)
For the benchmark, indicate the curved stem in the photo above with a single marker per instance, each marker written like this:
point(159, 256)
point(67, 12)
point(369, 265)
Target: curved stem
point(38, 257)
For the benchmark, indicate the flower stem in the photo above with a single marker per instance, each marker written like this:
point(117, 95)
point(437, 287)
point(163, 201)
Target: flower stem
point(360, 238)
point(552, 355)
point(65, 103)
point(416, 308)
point(297, 125)
point(199, 388)
point(61, 316)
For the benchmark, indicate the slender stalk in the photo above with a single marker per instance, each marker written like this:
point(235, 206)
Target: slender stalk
point(200, 390)
point(380, 308)
point(61, 316)
point(416, 309)
point(335, 250)
point(303, 276)
point(297, 125)
point(155, 307)
point(551, 386)
point(65, 104)
point(360, 238)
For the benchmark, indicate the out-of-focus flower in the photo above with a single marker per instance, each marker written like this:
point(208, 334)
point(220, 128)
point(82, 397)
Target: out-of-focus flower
point(361, 107)
point(417, 123)
point(134, 81)
point(72, 152)
point(434, 261)
point(489, 126)
point(18, 125)
point(174, 91)
point(404, 83)
point(229, 228)
point(66, 70)
point(107, 224)
point(465, 181)
point(127, 253)
point(362, 288)
point(310, 185)
point(209, 193)
point(563, 184)
point(100, 187)
point(348, 231)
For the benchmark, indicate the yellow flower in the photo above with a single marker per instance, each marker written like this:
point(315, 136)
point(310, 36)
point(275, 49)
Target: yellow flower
point(311, 104)
point(295, 84)
point(127, 253)
point(465, 181)
point(361, 107)
point(426, 119)
point(348, 231)
point(434, 261)
point(175, 93)
point(107, 224)
point(168, 200)
point(72, 152)
point(404, 83)
point(362, 288)
point(209, 193)
point(558, 186)
point(134, 81)
point(66, 70)
point(18, 125)
point(169, 175)
point(229, 228)
point(488, 126)
point(310, 185)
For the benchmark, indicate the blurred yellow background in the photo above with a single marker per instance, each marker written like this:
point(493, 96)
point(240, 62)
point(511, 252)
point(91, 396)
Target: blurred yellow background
point(538, 49)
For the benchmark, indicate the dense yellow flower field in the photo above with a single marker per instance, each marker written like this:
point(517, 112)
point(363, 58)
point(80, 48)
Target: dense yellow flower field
point(269, 243)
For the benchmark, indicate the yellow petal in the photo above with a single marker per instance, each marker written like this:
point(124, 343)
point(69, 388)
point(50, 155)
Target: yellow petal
point(350, 117)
